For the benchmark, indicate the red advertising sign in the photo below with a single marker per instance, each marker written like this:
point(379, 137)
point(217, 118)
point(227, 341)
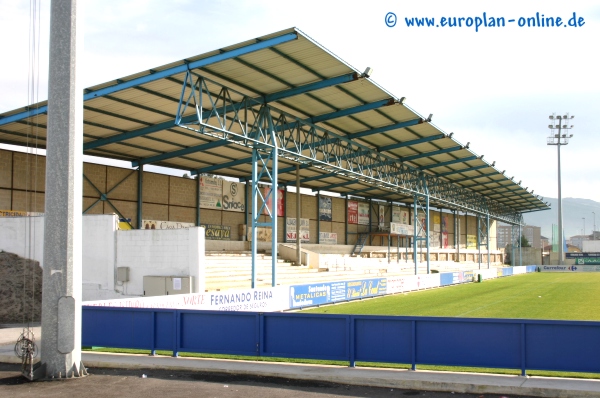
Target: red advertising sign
point(352, 212)
point(269, 201)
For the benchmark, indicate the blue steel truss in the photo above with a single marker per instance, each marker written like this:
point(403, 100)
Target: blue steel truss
point(483, 237)
point(264, 164)
point(209, 108)
point(421, 223)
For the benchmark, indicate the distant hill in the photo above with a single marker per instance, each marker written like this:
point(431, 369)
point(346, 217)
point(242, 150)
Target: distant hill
point(574, 210)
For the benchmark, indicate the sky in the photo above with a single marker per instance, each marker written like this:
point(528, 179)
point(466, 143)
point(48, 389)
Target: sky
point(492, 86)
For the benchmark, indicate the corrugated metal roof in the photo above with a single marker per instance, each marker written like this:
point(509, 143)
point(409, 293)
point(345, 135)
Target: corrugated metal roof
point(124, 120)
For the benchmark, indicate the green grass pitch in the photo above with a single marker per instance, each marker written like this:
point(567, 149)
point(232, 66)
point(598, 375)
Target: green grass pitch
point(559, 296)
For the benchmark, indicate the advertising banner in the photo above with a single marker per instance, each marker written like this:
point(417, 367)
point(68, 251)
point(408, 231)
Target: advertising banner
point(401, 229)
point(428, 281)
point(267, 210)
point(290, 235)
point(381, 216)
point(352, 212)
point(437, 223)
point(570, 268)
point(399, 284)
point(233, 196)
point(396, 214)
point(330, 292)
point(325, 208)
point(216, 232)
point(471, 242)
point(580, 255)
point(404, 217)
point(328, 238)
point(211, 193)
point(363, 213)
point(262, 299)
point(19, 213)
point(156, 224)
point(444, 223)
point(434, 239)
point(445, 240)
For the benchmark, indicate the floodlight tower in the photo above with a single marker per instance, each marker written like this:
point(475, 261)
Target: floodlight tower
point(559, 129)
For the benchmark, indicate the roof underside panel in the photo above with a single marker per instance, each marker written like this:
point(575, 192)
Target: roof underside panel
point(307, 82)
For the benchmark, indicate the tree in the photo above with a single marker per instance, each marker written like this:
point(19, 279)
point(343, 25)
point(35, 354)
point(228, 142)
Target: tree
point(524, 242)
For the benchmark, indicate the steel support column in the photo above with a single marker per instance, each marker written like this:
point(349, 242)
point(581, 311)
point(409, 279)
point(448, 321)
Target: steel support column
point(198, 201)
point(140, 191)
point(487, 239)
point(264, 156)
point(515, 243)
point(483, 237)
point(298, 215)
point(520, 246)
point(421, 226)
point(456, 235)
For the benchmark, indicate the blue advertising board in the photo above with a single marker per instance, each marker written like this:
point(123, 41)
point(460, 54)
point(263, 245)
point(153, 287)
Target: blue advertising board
point(330, 292)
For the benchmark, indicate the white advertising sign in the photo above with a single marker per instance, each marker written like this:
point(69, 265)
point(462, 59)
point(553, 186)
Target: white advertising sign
point(233, 196)
point(264, 299)
point(156, 224)
point(211, 193)
point(363, 213)
point(327, 238)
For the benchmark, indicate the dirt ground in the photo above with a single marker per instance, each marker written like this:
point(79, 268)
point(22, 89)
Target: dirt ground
point(20, 289)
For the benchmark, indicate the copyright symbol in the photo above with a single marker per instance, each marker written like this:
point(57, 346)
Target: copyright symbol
point(390, 19)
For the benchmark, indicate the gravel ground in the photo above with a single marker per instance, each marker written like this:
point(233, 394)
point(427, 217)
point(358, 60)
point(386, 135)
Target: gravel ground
point(20, 289)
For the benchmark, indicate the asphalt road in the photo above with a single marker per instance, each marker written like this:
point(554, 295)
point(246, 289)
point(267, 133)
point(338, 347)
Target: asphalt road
point(105, 382)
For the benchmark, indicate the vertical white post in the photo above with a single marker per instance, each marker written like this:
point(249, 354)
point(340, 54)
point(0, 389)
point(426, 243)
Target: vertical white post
point(61, 296)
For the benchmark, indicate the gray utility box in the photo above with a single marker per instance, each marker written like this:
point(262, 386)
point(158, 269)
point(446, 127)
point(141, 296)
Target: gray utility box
point(168, 285)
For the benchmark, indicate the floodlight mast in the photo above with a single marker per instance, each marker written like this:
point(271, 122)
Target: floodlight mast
point(559, 135)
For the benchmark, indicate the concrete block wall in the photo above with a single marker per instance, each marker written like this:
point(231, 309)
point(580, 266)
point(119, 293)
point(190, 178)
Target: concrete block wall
point(168, 252)
point(170, 198)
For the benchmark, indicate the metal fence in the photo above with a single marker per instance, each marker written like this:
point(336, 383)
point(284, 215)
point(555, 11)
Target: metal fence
point(572, 346)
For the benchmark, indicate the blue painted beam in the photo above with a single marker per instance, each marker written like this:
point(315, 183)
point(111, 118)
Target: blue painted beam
point(447, 173)
point(230, 108)
point(412, 142)
point(355, 193)
point(23, 115)
point(351, 111)
point(475, 177)
point(293, 168)
point(208, 169)
point(332, 186)
point(311, 87)
point(433, 153)
point(383, 129)
point(122, 85)
point(319, 177)
point(180, 152)
point(449, 162)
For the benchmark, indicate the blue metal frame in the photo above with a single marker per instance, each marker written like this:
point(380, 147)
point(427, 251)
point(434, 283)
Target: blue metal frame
point(412, 142)
point(304, 142)
point(432, 153)
point(447, 173)
point(157, 75)
point(383, 129)
point(483, 235)
point(518, 343)
point(421, 228)
point(447, 163)
point(340, 184)
point(262, 156)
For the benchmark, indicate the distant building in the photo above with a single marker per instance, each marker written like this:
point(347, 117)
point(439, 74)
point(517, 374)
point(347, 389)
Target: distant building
point(578, 240)
point(532, 233)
